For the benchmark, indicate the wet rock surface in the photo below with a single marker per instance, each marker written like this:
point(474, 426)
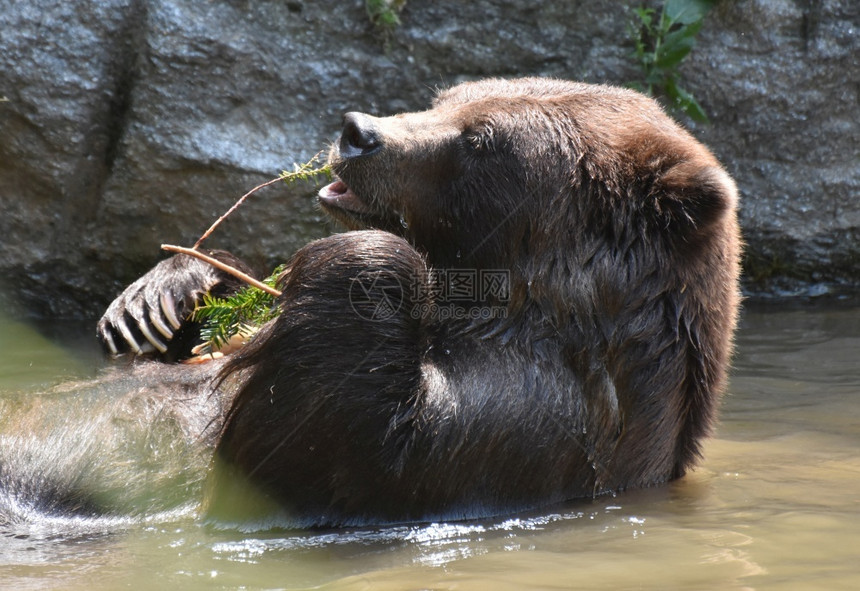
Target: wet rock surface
point(130, 123)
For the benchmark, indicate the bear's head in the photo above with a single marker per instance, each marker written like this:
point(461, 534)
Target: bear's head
point(463, 181)
point(583, 192)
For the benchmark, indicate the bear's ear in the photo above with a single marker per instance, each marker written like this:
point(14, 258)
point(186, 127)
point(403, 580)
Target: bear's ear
point(690, 197)
point(480, 136)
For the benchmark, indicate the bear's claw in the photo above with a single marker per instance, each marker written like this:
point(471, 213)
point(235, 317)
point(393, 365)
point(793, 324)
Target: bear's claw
point(153, 314)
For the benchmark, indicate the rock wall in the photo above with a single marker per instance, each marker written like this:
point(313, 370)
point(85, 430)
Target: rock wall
point(129, 123)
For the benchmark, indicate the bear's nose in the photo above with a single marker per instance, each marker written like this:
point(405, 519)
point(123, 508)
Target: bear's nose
point(359, 137)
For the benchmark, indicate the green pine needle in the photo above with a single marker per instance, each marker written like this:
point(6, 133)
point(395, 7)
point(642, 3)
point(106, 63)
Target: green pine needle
point(242, 313)
point(307, 171)
point(250, 308)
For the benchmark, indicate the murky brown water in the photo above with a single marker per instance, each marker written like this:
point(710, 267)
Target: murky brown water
point(774, 505)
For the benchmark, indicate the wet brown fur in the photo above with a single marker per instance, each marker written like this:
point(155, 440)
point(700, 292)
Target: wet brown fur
point(620, 234)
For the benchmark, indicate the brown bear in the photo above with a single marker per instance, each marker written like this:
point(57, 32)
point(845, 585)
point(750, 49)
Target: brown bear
point(539, 306)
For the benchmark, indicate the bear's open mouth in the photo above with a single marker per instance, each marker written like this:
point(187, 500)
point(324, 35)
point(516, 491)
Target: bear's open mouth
point(357, 213)
point(339, 196)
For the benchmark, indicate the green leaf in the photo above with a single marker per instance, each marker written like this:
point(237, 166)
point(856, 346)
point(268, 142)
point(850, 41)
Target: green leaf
point(687, 12)
point(695, 111)
point(661, 46)
point(676, 45)
point(384, 13)
point(646, 16)
point(683, 100)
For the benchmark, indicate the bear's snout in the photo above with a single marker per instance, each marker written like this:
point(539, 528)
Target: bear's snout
point(360, 136)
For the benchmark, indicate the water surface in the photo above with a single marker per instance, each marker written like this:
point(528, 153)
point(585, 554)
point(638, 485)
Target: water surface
point(775, 504)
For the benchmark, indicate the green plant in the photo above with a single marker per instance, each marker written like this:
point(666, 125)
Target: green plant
point(240, 314)
point(252, 306)
point(661, 44)
point(384, 14)
point(309, 171)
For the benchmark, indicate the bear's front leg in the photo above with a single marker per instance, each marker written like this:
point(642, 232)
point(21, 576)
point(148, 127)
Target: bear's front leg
point(153, 315)
point(326, 392)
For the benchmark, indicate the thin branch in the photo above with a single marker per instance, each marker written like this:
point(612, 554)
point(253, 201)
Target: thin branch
point(223, 266)
point(231, 210)
point(303, 172)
